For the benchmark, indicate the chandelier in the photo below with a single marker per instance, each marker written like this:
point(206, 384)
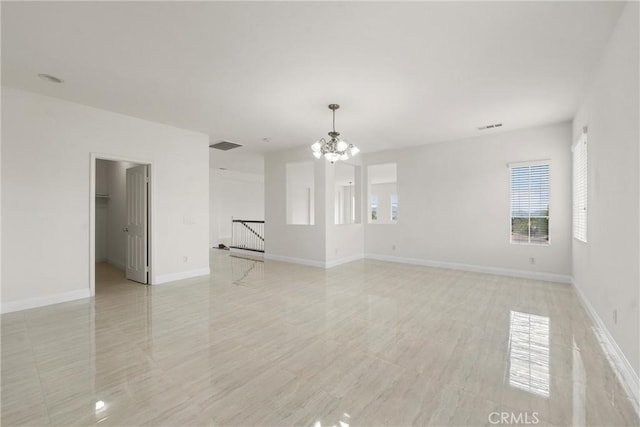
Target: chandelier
point(335, 148)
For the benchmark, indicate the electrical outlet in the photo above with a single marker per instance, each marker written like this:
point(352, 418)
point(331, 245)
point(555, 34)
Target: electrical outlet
point(532, 261)
point(336, 251)
point(615, 317)
point(185, 259)
point(393, 247)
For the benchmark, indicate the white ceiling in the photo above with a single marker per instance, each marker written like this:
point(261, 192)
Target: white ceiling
point(405, 73)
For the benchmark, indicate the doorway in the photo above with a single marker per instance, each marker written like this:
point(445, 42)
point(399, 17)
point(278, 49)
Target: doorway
point(120, 237)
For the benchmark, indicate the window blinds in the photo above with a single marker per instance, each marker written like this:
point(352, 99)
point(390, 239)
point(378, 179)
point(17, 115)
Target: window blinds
point(530, 203)
point(580, 189)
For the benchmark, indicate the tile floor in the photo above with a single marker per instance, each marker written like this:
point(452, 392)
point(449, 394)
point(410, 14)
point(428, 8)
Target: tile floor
point(367, 343)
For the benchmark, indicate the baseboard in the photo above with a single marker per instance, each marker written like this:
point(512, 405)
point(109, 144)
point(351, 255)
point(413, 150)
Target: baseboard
point(8, 307)
point(313, 263)
point(336, 262)
point(547, 277)
point(619, 363)
point(172, 277)
point(292, 260)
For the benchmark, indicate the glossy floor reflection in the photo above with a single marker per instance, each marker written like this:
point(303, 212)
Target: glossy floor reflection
point(367, 343)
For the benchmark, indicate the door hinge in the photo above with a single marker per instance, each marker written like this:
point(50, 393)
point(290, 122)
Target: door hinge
point(146, 180)
point(146, 269)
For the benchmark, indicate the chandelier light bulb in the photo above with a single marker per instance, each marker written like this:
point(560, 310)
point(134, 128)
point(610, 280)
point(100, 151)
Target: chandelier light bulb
point(317, 154)
point(332, 157)
point(342, 146)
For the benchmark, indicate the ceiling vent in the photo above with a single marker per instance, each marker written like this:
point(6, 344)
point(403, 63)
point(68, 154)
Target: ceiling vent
point(496, 125)
point(225, 145)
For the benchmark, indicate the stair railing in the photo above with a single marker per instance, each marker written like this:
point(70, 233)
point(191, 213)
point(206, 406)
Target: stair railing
point(247, 235)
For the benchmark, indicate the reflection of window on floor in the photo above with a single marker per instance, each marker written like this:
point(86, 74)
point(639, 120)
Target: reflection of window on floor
point(374, 208)
point(529, 353)
point(394, 207)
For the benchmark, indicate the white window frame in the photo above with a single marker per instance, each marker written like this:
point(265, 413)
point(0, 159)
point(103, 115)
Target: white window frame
point(510, 166)
point(580, 199)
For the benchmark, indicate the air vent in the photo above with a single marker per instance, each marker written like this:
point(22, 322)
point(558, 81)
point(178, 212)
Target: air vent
point(496, 125)
point(225, 145)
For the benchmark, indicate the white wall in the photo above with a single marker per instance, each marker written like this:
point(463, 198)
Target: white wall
point(453, 203)
point(46, 194)
point(102, 209)
point(303, 243)
point(606, 268)
point(323, 244)
point(343, 242)
point(300, 193)
point(233, 194)
point(102, 178)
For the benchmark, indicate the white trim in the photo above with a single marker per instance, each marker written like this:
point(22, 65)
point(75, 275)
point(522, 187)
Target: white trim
point(529, 163)
point(618, 361)
point(292, 260)
point(25, 304)
point(534, 275)
point(314, 263)
point(172, 277)
point(580, 189)
point(340, 261)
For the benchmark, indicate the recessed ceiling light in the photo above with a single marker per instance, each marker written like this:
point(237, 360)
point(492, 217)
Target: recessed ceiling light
point(49, 78)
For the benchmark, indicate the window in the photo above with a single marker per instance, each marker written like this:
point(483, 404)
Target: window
point(530, 203)
point(374, 208)
point(580, 189)
point(394, 207)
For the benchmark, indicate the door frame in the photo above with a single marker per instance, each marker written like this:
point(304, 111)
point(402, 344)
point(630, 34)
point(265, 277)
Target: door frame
point(151, 209)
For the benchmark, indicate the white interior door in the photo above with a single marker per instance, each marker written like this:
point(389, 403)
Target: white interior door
point(136, 229)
